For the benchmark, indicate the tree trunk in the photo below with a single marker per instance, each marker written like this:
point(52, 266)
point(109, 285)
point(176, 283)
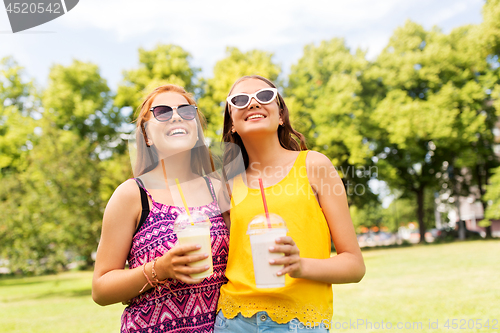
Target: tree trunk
point(420, 213)
point(481, 193)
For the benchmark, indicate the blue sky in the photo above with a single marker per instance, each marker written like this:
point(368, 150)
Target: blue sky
point(110, 32)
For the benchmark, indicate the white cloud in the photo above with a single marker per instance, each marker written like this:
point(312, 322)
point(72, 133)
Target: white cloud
point(227, 20)
point(110, 32)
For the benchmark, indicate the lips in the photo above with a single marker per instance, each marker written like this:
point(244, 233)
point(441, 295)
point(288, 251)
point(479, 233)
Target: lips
point(177, 131)
point(254, 116)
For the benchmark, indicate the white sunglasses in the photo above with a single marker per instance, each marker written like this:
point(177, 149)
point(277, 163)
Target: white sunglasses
point(263, 96)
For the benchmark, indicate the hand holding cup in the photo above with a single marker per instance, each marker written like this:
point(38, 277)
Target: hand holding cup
point(291, 259)
point(175, 264)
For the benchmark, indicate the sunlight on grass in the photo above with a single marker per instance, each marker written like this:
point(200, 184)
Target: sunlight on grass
point(421, 284)
point(410, 285)
point(60, 303)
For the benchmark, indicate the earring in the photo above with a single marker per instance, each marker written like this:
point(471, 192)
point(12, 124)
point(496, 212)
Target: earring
point(149, 143)
point(281, 122)
point(233, 130)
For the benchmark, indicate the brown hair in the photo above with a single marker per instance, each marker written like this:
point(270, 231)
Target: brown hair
point(147, 156)
point(285, 131)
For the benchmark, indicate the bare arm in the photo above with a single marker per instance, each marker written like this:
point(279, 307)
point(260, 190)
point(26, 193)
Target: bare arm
point(348, 265)
point(112, 283)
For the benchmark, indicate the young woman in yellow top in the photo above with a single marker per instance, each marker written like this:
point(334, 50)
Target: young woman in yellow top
point(303, 188)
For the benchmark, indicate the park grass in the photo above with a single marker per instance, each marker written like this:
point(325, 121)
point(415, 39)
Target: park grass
point(422, 284)
point(409, 285)
point(54, 303)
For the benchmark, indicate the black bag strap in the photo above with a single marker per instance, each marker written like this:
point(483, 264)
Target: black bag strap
point(144, 203)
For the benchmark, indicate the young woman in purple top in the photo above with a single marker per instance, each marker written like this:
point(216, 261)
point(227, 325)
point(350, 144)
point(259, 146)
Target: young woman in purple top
point(138, 225)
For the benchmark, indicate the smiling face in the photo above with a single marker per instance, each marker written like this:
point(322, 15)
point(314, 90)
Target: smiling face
point(175, 135)
point(255, 118)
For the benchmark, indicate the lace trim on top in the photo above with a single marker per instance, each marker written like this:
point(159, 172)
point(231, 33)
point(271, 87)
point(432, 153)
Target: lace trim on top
point(280, 311)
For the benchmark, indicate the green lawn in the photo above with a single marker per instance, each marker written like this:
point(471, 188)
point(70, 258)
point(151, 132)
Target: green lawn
point(57, 303)
point(409, 286)
point(424, 283)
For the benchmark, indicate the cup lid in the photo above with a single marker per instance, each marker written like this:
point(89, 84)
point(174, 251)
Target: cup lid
point(259, 223)
point(196, 220)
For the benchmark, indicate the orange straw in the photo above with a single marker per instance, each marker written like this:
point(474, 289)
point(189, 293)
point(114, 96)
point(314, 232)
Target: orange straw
point(265, 203)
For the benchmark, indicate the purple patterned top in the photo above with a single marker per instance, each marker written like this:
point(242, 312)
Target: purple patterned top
point(194, 308)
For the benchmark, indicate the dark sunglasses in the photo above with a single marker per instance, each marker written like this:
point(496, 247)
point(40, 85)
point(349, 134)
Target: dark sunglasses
point(263, 96)
point(165, 112)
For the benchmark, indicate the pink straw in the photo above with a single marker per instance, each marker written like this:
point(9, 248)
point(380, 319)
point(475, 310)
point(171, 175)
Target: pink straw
point(265, 203)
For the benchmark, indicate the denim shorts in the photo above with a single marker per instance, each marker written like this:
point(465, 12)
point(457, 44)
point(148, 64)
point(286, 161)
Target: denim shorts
point(260, 322)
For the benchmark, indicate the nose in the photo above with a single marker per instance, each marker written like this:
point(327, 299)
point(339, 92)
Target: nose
point(175, 116)
point(254, 104)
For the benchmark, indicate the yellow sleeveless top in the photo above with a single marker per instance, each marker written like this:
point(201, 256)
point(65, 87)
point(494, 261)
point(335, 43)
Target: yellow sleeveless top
point(293, 199)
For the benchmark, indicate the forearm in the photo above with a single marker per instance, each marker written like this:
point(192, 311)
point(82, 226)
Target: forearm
point(342, 268)
point(120, 285)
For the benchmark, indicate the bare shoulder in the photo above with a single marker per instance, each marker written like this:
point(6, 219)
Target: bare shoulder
point(126, 193)
point(317, 157)
point(319, 166)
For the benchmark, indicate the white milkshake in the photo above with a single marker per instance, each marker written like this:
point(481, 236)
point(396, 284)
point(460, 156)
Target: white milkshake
point(196, 230)
point(261, 239)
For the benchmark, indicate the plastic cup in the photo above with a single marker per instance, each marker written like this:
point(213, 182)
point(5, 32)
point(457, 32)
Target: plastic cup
point(195, 229)
point(261, 238)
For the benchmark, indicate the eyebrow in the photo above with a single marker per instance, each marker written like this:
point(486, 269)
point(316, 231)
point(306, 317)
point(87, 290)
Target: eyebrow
point(172, 106)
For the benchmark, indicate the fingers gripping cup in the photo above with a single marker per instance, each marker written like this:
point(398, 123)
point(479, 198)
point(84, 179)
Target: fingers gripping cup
point(195, 229)
point(263, 233)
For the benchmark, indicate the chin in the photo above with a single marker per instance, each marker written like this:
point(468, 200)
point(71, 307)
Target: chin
point(177, 148)
point(258, 131)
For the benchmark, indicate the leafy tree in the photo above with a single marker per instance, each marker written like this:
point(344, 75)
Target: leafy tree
point(483, 45)
point(27, 240)
point(18, 101)
point(54, 203)
point(399, 213)
point(164, 64)
point(78, 99)
point(487, 37)
point(17, 107)
point(369, 215)
point(328, 102)
point(56, 210)
point(492, 196)
point(84, 126)
point(431, 110)
point(404, 210)
point(226, 71)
